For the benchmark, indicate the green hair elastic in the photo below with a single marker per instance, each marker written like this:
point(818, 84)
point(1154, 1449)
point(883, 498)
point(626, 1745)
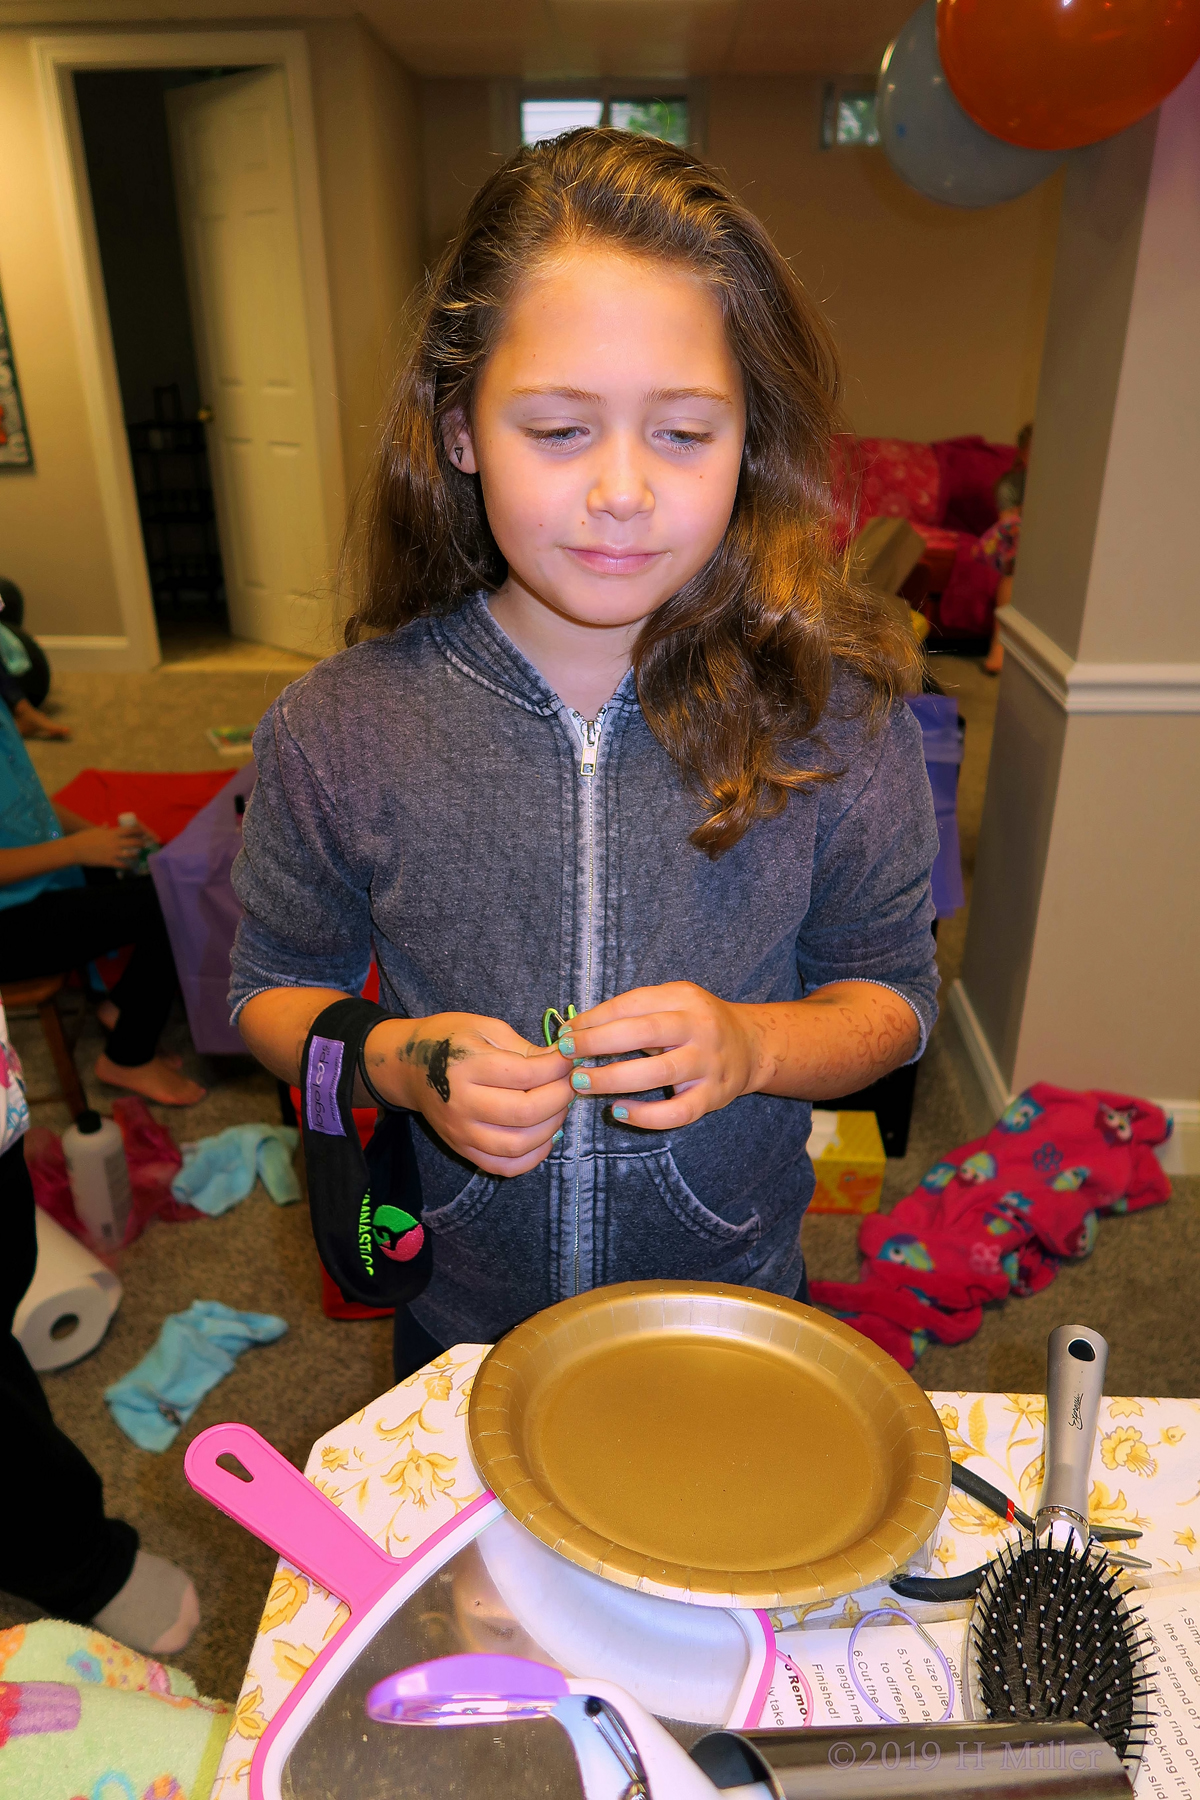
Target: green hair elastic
point(553, 1022)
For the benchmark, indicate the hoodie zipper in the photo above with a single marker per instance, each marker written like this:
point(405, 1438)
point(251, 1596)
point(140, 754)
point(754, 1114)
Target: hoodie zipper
point(589, 731)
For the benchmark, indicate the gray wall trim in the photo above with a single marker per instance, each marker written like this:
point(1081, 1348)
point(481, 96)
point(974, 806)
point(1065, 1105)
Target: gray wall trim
point(1083, 687)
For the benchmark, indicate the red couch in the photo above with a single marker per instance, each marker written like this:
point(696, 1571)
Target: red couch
point(946, 491)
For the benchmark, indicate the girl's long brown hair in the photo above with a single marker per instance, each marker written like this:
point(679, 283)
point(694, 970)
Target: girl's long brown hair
point(734, 671)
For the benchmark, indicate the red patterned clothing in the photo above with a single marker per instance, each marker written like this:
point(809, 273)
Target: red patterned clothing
point(999, 543)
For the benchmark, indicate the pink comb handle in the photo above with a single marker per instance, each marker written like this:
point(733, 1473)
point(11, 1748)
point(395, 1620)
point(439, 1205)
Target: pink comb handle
point(284, 1509)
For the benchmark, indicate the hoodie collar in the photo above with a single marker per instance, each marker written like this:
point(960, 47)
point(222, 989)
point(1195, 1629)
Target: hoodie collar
point(471, 639)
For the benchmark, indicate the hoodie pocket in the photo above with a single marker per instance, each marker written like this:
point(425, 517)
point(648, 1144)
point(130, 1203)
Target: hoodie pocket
point(465, 1207)
point(657, 1227)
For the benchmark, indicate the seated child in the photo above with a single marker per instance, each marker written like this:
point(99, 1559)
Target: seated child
point(61, 905)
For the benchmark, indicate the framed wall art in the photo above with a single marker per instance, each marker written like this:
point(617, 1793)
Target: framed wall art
point(15, 449)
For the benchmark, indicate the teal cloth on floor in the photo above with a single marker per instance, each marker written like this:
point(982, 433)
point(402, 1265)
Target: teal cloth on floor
point(195, 1350)
point(219, 1171)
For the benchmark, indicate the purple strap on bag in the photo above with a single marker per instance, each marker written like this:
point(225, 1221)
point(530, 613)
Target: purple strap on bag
point(321, 1086)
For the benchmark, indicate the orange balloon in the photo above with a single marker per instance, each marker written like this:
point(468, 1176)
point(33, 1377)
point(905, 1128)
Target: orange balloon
point(1056, 74)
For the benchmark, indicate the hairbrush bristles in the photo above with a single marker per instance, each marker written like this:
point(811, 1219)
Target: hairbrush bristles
point(1053, 1637)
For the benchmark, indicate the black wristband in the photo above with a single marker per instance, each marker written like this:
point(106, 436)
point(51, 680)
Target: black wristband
point(373, 1092)
point(365, 1203)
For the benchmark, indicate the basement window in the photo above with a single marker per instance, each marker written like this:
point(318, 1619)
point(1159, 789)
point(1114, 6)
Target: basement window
point(541, 119)
point(646, 116)
point(848, 117)
point(652, 118)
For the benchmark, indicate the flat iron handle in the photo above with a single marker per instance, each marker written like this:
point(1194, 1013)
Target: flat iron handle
point(1076, 1361)
point(284, 1509)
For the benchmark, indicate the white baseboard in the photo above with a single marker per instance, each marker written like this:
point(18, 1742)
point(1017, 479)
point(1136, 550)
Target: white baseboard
point(987, 1069)
point(91, 655)
point(1180, 1155)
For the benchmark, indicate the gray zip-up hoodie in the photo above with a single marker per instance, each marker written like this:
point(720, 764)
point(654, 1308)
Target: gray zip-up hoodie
point(425, 795)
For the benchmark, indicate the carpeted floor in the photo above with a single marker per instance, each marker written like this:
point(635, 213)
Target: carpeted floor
point(1138, 1287)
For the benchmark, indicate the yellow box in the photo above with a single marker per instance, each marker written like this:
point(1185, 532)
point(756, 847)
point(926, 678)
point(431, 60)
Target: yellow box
point(848, 1159)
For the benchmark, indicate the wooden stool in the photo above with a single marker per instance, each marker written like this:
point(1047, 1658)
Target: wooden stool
point(41, 994)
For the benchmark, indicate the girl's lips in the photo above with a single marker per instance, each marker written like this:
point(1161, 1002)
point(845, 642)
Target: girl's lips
point(615, 562)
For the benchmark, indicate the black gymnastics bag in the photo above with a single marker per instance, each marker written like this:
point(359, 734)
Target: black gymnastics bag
point(365, 1205)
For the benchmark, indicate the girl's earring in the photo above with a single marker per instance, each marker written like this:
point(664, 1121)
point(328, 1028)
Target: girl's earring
point(458, 450)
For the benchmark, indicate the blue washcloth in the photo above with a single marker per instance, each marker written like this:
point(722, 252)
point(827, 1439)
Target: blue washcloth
point(195, 1350)
point(219, 1171)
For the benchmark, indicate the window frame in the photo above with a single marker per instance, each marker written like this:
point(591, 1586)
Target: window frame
point(837, 88)
point(609, 88)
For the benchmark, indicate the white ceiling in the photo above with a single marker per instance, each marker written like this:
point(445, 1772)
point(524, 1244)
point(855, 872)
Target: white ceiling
point(543, 39)
point(554, 39)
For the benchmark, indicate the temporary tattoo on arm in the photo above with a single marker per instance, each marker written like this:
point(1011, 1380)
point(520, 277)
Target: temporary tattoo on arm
point(843, 1045)
point(434, 1055)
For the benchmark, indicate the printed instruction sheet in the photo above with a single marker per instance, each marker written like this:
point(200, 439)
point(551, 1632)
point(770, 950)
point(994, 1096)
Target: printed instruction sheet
point(898, 1669)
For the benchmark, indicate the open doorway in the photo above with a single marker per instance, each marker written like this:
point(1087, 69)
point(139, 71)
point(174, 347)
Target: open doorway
point(123, 124)
point(191, 214)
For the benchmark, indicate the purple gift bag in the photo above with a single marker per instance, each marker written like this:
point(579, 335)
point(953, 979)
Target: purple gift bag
point(942, 736)
point(191, 876)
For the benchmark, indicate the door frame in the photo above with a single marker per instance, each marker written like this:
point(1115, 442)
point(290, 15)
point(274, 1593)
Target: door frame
point(57, 59)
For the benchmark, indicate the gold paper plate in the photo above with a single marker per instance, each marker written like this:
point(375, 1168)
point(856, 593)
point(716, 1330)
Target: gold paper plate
point(708, 1443)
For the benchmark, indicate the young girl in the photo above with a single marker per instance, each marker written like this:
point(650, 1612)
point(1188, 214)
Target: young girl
point(620, 737)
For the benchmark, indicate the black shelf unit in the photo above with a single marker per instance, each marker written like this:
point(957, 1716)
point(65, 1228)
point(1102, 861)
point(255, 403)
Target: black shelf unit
point(175, 504)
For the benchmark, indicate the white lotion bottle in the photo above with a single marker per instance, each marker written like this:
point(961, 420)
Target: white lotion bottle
point(99, 1175)
point(141, 865)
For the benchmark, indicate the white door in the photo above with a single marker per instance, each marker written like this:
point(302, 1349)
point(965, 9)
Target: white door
point(232, 153)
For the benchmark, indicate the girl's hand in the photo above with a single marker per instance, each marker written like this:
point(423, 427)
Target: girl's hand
point(705, 1048)
point(490, 1094)
point(106, 846)
point(835, 1041)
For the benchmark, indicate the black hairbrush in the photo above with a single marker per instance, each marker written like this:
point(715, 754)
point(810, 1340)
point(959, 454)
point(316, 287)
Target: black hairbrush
point(1053, 1639)
point(1052, 1636)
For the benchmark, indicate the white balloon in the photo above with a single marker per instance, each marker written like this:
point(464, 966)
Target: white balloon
point(930, 141)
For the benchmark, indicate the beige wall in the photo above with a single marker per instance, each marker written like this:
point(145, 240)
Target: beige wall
point(939, 313)
point(1143, 602)
point(53, 542)
point(1113, 996)
point(369, 149)
point(1104, 201)
point(456, 152)
point(1010, 858)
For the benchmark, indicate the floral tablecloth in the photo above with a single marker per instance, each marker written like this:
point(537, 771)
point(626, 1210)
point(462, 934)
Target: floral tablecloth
point(402, 1468)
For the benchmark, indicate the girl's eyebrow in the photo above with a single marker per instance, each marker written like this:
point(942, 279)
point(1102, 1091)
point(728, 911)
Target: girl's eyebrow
point(561, 393)
point(691, 393)
point(654, 398)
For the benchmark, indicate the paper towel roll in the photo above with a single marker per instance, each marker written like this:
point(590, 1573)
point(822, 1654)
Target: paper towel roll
point(70, 1301)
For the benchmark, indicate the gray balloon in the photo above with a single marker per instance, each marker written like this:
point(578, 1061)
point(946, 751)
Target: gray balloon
point(931, 142)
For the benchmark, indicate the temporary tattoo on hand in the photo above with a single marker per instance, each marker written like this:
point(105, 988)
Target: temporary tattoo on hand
point(434, 1055)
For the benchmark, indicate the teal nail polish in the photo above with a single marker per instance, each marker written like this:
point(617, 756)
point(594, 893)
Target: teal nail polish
point(621, 1112)
point(566, 1043)
point(558, 1136)
point(581, 1080)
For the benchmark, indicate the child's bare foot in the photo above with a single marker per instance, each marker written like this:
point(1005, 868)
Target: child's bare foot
point(154, 1080)
point(108, 1014)
point(34, 724)
point(995, 658)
